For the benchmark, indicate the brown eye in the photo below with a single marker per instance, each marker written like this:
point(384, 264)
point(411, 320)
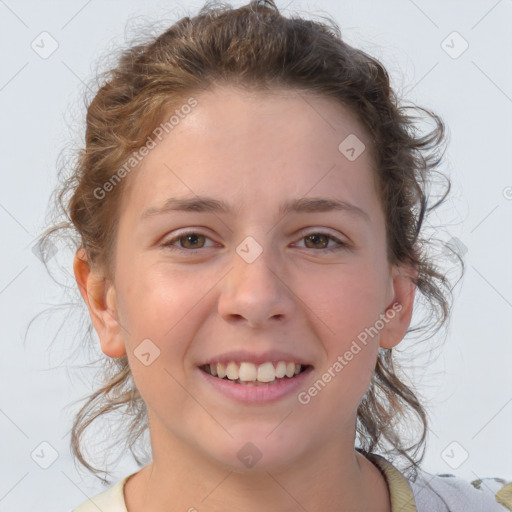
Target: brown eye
point(318, 240)
point(321, 241)
point(191, 241)
point(186, 242)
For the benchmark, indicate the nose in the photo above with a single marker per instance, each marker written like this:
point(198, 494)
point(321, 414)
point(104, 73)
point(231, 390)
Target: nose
point(256, 293)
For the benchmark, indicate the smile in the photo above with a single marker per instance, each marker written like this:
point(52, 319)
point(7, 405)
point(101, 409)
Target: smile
point(242, 383)
point(250, 373)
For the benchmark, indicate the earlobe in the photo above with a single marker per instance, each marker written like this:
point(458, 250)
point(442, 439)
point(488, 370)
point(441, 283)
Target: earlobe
point(399, 310)
point(100, 298)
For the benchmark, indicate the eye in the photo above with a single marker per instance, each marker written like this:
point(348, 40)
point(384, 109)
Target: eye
point(320, 240)
point(187, 241)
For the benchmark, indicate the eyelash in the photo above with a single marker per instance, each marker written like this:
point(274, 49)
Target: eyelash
point(170, 243)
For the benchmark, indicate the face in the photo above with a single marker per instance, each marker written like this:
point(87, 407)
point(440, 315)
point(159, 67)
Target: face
point(194, 286)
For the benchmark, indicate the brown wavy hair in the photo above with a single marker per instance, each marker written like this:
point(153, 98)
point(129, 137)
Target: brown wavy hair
point(258, 48)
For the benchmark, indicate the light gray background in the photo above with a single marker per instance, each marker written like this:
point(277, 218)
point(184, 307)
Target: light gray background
point(468, 385)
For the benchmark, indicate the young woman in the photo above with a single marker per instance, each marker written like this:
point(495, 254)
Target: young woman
point(249, 205)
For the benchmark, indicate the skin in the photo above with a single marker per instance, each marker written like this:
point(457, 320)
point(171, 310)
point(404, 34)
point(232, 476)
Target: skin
point(253, 150)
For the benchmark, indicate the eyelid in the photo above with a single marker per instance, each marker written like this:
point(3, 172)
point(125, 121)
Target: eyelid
point(322, 231)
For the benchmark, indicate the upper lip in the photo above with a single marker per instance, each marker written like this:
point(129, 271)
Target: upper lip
point(257, 358)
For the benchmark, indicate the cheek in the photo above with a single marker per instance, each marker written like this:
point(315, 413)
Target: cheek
point(158, 324)
point(156, 300)
point(347, 309)
point(159, 313)
point(334, 396)
point(347, 301)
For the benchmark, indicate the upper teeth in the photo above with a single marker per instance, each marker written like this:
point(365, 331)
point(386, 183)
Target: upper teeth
point(250, 372)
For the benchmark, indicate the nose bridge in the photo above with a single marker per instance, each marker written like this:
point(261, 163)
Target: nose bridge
point(255, 268)
point(253, 289)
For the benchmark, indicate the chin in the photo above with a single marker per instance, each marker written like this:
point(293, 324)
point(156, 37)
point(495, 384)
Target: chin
point(253, 450)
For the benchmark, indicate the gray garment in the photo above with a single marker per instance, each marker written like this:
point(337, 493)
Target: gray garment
point(448, 493)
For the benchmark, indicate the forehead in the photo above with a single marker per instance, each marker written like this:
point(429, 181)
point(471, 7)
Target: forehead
point(245, 145)
point(278, 118)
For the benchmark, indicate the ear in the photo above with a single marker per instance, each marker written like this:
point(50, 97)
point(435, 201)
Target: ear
point(400, 305)
point(100, 297)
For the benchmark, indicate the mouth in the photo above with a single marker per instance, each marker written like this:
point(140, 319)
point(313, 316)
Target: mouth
point(249, 374)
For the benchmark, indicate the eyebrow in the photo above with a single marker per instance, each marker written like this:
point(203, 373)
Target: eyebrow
point(211, 205)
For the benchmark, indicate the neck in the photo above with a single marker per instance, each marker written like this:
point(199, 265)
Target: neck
point(330, 475)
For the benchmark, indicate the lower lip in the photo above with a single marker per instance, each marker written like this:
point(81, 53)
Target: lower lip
point(257, 394)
